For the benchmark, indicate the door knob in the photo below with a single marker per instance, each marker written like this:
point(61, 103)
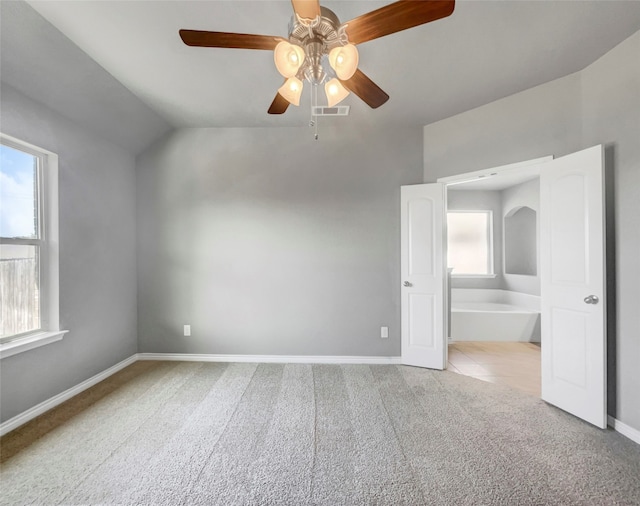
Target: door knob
point(406, 283)
point(591, 299)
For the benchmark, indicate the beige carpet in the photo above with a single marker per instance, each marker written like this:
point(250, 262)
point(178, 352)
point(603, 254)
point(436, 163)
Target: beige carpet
point(267, 434)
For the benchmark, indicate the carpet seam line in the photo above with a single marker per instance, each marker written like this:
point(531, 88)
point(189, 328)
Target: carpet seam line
point(129, 437)
point(114, 450)
point(226, 426)
point(395, 433)
point(315, 433)
point(146, 390)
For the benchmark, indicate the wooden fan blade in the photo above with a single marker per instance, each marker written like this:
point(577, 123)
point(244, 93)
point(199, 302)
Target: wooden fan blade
point(306, 9)
point(366, 89)
point(279, 105)
point(396, 17)
point(229, 40)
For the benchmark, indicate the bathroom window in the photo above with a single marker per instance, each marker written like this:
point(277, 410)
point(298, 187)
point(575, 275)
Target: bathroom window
point(470, 243)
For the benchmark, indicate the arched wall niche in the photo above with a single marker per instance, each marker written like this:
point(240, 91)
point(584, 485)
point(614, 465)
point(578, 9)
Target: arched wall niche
point(521, 241)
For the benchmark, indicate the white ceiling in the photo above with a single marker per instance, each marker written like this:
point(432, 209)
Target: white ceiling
point(486, 50)
point(39, 62)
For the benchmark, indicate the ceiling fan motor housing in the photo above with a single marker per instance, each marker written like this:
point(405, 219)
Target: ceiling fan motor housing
point(317, 39)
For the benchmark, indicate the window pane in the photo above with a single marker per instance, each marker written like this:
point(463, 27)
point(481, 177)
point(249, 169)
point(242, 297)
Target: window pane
point(468, 243)
point(18, 193)
point(19, 289)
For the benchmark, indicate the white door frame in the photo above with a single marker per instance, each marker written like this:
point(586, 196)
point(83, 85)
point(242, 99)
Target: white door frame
point(518, 168)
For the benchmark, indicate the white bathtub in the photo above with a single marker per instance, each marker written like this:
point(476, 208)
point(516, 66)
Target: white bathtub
point(494, 315)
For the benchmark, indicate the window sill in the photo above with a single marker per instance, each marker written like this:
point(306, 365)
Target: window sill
point(30, 342)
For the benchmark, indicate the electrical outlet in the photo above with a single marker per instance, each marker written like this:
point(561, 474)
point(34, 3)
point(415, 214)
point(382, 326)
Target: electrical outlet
point(187, 330)
point(384, 332)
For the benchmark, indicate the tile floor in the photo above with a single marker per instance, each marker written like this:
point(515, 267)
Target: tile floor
point(514, 364)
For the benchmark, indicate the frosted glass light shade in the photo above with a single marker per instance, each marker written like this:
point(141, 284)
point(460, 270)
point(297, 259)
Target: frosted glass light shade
point(288, 58)
point(344, 60)
point(336, 93)
point(291, 90)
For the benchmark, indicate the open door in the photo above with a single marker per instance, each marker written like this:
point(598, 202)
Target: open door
point(422, 235)
point(572, 258)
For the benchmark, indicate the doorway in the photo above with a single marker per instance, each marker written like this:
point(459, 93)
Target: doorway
point(493, 278)
point(572, 278)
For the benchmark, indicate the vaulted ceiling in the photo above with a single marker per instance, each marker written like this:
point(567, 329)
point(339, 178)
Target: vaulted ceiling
point(486, 50)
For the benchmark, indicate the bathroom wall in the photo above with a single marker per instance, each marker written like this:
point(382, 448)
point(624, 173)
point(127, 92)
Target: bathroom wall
point(480, 200)
point(525, 194)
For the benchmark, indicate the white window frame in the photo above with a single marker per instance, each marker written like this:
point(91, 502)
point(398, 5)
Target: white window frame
point(490, 255)
point(48, 243)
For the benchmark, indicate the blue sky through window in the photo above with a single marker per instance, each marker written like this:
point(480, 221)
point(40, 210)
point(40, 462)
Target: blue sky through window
point(17, 193)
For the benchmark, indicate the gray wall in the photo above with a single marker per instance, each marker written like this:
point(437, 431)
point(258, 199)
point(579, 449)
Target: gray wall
point(481, 200)
point(601, 104)
point(268, 242)
point(611, 116)
point(525, 194)
point(41, 62)
point(97, 257)
point(545, 120)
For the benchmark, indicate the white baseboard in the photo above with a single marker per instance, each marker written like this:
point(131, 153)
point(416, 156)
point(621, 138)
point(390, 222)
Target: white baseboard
point(272, 359)
point(54, 401)
point(624, 429)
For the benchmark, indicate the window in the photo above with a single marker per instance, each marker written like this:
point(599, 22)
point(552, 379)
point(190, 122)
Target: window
point(28, 247)
point(470, 243)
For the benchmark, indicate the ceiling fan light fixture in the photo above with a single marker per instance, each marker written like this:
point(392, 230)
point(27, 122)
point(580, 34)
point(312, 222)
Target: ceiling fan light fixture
point(315, 35)
point(288, 58)
point(344, 60)
point(291, 90)
point(335, 92)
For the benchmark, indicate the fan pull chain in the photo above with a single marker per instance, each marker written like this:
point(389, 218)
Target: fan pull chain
point(313, 122)
point(315, 92)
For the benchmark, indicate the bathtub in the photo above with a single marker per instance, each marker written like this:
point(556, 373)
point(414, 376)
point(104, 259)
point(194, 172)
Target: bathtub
point(494, 315)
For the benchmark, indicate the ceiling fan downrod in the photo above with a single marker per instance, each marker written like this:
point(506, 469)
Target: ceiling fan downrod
point(313, 70)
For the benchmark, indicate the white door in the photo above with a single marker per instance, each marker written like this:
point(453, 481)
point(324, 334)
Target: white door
point(422, 235)
point(572, 247)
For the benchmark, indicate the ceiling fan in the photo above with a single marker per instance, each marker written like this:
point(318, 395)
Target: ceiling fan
point(316, 37)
